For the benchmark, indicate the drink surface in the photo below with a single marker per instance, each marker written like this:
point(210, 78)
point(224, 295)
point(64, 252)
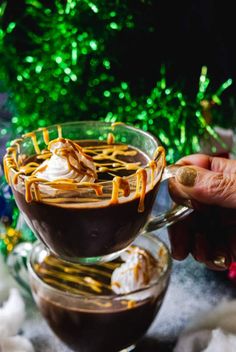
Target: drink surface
point(105, 162)
point(83, 172)
point(110, 159)
point(77, 278)
point(134, 269)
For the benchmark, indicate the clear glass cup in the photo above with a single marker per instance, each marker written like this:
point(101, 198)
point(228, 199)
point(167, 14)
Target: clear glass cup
point(79, 230)
point(101, 323)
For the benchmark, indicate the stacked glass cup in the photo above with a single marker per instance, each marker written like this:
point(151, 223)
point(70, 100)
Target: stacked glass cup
point(84, 228)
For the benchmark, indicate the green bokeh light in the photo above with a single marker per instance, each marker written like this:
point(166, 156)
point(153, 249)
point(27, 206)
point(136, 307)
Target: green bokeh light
point(65, 70)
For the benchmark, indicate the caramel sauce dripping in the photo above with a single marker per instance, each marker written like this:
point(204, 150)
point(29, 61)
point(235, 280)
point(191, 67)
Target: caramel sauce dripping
point(37, 192)
point(107, 159)
point(34, 141)
point(8, 163)
point(160, 152)
point(119, 183)
point(118, 123)
point(153, 167)
point(45, 134)
point(17, 144)
point(141, 188)
point(45, 154)
point(28, 191)
point(110, 138)
point(59, 131)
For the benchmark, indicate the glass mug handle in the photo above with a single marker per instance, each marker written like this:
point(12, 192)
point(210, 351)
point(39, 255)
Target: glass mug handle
point(167, 212)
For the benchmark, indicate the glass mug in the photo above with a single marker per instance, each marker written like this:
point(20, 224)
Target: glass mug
point(97, 322)
point(90, 223)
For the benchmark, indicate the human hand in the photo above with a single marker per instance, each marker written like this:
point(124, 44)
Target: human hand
point(208, 233)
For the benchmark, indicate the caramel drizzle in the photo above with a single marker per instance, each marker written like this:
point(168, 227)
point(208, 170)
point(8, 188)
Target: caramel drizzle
point(59, 131)
point(86, 281)
point(17, 144)
point(9, 163)
point(109, 153)
point(31, 181)
point(76, 268)
point(150, 262)
point(72, 152)
point(153, 167)
point(110, 138)
point(118, 123)
point(141, 188)
point(119, 183)
point(34, 141)
point(45, 134)
point(65, 185)
point(76, 278)
point(93, 279)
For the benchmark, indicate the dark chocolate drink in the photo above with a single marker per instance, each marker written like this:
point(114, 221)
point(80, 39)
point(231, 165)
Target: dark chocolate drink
point(94, 331)
point(107, 214)
point(85, 313)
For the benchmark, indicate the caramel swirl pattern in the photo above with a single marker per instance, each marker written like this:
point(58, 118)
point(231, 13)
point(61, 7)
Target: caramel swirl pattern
point(111, 158)
point(97, 279)
point(77, 278)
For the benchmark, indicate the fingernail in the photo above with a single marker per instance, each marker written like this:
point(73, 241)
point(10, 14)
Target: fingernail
point(186, 175)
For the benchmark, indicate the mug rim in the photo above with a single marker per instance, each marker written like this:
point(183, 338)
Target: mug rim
point(25, 136)
point(166, 272)
point(11, 170)
point(92, 122)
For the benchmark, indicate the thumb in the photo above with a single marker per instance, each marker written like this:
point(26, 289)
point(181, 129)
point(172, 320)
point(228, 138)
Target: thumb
point(205, 186)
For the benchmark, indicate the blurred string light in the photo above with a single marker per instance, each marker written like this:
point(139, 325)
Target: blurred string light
point(56, 67)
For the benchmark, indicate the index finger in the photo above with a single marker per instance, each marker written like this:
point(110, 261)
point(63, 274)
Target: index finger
point(213, 163)
point(200, 160)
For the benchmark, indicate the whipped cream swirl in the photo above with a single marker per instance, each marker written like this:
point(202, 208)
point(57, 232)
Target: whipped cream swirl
point(138, 270)
point(67, 162)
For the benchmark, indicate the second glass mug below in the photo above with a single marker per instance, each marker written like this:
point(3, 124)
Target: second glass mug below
point(97, 321)
point(97, 230)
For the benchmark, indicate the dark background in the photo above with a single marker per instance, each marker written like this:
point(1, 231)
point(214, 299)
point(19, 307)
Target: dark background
point(182, 35)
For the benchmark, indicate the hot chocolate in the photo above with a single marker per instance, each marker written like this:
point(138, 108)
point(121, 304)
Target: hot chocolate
point(105, 307)
point(94, 331)
point(85, 198)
